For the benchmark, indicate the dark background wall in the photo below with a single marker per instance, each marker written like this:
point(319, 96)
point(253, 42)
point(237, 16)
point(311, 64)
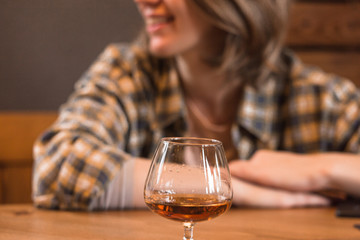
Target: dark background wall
point(45, 46)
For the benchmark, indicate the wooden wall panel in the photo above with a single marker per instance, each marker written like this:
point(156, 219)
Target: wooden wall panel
point(325, 24)
point(326, 33)
point(342, 63)
point(16, 183)
point(18, 131)
point(1, 185)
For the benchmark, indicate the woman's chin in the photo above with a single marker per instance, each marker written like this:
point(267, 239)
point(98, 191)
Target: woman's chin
point(161, 50)
point(163, 53)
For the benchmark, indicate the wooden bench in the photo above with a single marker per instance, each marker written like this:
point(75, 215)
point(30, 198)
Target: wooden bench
point(323, 33)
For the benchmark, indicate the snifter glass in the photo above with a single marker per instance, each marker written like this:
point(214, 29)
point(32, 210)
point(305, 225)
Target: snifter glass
point(188, 181)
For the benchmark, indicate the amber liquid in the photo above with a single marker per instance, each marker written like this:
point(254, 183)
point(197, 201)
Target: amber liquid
point(188, 207)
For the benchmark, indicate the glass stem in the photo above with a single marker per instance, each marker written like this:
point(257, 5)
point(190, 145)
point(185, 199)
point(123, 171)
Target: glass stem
point(188, 231)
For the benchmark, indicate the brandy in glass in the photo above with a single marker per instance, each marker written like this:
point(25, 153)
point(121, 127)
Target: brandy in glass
point(189, 181)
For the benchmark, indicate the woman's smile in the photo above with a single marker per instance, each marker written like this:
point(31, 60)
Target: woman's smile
point(173, 26)
point(154, 23)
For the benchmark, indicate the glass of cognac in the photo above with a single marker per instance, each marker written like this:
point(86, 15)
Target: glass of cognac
point(188, 181)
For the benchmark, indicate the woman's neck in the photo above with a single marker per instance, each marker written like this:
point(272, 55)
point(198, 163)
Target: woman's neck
point(197, 77)
point(215, 95)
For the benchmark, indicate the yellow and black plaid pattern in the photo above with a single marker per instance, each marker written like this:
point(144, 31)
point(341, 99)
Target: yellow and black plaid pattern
point(127, 101)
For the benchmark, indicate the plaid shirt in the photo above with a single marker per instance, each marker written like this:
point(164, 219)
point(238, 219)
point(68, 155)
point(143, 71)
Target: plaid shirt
point(126, 102)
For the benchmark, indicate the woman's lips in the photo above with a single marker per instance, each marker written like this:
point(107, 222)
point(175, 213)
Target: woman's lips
point(155, 23)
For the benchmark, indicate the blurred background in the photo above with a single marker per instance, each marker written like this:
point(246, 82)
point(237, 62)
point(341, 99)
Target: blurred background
point(46, 45)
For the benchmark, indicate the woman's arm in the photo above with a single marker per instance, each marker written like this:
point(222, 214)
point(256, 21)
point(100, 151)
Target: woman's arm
point(301, 172)
point(344, 172)
point(85, 149)
point(126, 190)
point(141, 169)
point(254, 195)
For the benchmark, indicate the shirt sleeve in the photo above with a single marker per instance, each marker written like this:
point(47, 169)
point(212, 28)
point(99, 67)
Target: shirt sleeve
point(346, 105)
point(119, 193)
point(85, 149)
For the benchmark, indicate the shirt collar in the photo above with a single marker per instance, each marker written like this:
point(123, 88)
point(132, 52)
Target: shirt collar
point(258, 114)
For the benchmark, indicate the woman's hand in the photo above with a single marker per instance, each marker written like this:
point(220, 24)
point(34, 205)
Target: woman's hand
point(284, 170)
point(279, 179)
point(250, 195)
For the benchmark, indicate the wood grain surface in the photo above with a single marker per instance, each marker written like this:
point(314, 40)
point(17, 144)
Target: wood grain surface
point(25, 222)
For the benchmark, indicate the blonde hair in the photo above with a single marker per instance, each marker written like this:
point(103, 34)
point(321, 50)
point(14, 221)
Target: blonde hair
point(254, 32)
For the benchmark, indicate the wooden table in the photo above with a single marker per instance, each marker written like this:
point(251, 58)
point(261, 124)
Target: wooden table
point(26, 222)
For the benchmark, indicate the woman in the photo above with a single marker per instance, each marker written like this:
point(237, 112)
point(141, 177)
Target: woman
point(213, 69)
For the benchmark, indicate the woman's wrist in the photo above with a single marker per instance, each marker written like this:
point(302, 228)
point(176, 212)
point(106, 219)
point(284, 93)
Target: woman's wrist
point(328, 165)
point(341, 171)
